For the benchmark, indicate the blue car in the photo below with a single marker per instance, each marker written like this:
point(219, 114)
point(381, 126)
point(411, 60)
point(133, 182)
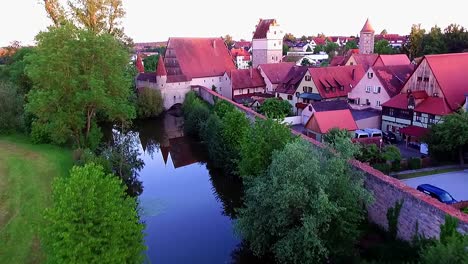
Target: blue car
point(437, 193)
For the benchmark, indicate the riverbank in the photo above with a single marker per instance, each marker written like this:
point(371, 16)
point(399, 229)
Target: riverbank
point(26, 175)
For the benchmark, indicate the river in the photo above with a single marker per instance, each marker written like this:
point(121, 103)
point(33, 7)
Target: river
point(188, 208)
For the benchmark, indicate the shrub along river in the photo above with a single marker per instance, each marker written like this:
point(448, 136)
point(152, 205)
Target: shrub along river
point(188, 208)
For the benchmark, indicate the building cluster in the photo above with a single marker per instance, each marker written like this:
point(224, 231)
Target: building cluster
point(356, 91)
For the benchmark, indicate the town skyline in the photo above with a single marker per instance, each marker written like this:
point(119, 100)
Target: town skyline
point(142, 24)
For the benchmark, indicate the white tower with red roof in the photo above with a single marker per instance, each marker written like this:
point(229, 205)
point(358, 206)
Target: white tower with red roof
point(366, 39)
point(267, 43)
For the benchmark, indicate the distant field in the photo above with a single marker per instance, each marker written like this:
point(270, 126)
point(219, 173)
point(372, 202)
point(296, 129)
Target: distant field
point(26, 175)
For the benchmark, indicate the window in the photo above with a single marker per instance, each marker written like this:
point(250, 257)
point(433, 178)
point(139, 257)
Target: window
point(220, 79)
point(376, 89)
point(419, 78)
point(297, 94)
point(418, 117)
point(378, 103)
point(272, 57)
point(289, 97)
point(368, 89)
point(391, 112)
point(431, 119)
point(342, 88)
point(304, 89)
point(248, 91)
point(307, 78)
point(310, 89)
point(426, 79)
point(274, 44)
point(367, 102)
point(370, 75)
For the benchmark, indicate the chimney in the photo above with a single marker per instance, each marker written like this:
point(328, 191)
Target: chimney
point(353, 73)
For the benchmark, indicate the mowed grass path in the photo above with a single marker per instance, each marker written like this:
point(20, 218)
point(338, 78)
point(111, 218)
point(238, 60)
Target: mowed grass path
point(26, 175)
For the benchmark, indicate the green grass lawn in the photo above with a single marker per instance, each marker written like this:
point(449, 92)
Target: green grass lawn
point(426, 173)
point(26, 175)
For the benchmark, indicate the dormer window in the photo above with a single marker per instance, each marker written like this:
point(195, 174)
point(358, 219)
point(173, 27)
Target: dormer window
point(370, 75)
point(435, 95)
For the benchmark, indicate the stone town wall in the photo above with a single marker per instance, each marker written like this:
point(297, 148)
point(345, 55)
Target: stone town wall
point(419, 210)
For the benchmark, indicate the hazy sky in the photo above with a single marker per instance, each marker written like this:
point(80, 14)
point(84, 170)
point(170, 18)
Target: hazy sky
point(152, 20)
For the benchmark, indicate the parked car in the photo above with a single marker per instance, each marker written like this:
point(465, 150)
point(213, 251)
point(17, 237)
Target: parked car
point(373, 132)
point(436, 192)
point(389, 137)
point(360, 134)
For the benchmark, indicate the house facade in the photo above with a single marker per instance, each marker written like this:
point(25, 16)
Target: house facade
point(378, 85)
point(274, 73)
point(322, 122)
point(241, 57)
point(267, 43)
point(293, 85)
point(435, 89)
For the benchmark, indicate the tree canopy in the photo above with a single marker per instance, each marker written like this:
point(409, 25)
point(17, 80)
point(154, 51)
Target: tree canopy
point(306, 209)
point(383, 47)
point(351, 45)
point(150, 63)
point(77, 75)
point(274, 108)
point(92, 220)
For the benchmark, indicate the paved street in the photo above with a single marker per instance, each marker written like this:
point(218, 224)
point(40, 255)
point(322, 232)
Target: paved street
point(456, 183)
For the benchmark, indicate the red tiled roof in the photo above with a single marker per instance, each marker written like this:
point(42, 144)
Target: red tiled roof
point(338, 61)
point(419, 94)
point(322, 122)
point(263, 27)
point(198, 57)
point(336, 81)
point(393, 78)
point(276, 72)
point(292, 80)
point(249, 78)
point(242, 44)
point(321, 41)
point(450, 71)
point(161, 69)
point(392, 60)
point(414, 131)
point(433, 105)
point(400, 101)
point(365, 60)
point(139, 64)
point(240, 52)
point(367, 27)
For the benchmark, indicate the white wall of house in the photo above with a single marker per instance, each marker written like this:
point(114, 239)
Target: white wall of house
point(241, 63)
point(248, 91)
point(369, 91)
point(270, 87)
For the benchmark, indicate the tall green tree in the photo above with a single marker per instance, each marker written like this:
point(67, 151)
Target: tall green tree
point(416, 41)
point(274, 108)
point(383, 47)
point(318, 49)
point(306, 209)
point(92, 220)
point(450, 135)
point(331, 48)
point(285, 49)
point(77, 75)
point(334, 134)
point(456, 38)
point(351, 45)
point(16, 70)
point(434, 42)
point(150, 63)
point(229, 41)
point(259, 143)
point(11, 108)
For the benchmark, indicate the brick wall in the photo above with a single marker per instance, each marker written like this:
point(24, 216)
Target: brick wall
point(418, 209)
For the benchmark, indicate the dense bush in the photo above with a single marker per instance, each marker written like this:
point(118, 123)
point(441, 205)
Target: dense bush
point(275, 108)
point(414, 163)
point(92, 220)
point(306, 209)
point(196, 112)
point(11, 108)
point(383, 167)
point(334, 134)
point(149, 102)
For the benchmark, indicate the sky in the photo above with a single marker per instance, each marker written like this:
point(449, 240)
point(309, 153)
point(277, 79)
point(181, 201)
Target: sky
point(152, 20)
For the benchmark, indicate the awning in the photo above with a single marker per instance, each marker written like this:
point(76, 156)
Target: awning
point(310, 96)
point(414, 131)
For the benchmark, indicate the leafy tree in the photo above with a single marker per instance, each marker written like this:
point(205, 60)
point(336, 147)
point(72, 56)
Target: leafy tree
point(99, 16)
point(306, 209)
point(228, 40)
point(383, 47)
point(456, 38)
point(332, 136)
point(289, 37)
point(331, 48)
point(384, 32)
point(196, 113)
point(124, 160)
point(450, 135)
point(416, 41)
point(92, 220)
point(391, 153)
point(285, 49)
point(274, 108)
point(433, 43)
point(150, 63)
point(234, 127)
point(212, 137)
point(16, 70)
point(221, 108)
point(306, 62)
point(77, 75)
point(351, 45)
point(11, 108)
point(318, 49)
point(150, 102)
point(258, 144)
point(369, 153)
point(304, 38)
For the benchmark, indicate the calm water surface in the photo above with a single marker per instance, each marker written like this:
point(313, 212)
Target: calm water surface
point(188, 208)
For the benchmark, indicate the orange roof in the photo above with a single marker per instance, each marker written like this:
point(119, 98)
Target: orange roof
point(395, 59)
point(322, 122)
point(393, 78)
point(450, 71)
point(139, 64)
point(366, 60)
point(367, 27)
point(336, 81)
point(248, 78)
point(161, 69)
point(276, 72)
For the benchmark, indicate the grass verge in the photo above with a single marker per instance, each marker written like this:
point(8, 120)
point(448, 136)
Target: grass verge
point(26, 175)
point(426, 173)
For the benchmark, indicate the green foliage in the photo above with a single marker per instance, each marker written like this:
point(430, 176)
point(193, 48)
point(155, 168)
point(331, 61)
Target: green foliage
point(151, 63)
point(11, 108)
point(258, 145)
point(306, 62)
point(212, 137)
point(455, 38)
point(369, 153)
point(234, 128)
point(318, 49)
point(383, 167)
point(196, 112)
point(414, 163)
point(307, 207)
point(433, 43)
point(16, 70)
point(92, 220)
point(351, 45)
point(332, 136)
point(416, 41)
point(331, 48)
point(285, 49)
point(274, 108)
point(391, 153)
point(149, 102)
point(77, 75)
point(451, 248)
point(222, 107)
point(383, 47)
point(393, 213)
point(465, 210)
point(450, 135)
